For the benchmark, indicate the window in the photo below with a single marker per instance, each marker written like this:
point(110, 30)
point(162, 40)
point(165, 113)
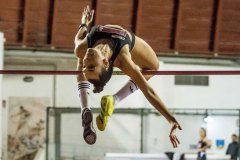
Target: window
point(192, 80)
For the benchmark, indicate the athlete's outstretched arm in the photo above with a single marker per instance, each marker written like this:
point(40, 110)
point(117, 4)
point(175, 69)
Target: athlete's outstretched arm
point(131, 69)
point(80, 50)
point(80, 38)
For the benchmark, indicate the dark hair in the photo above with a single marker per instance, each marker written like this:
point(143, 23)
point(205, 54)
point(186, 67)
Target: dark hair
point(104, 77)
point(234, 135)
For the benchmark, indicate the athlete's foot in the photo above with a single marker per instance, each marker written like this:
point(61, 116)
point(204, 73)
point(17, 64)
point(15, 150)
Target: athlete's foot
point(107, 108)
point(89, 133)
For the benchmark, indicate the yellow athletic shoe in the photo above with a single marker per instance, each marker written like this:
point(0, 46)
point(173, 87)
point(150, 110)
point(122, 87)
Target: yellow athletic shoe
point(107, 108)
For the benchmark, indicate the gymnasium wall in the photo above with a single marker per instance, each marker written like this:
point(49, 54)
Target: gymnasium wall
point(157, 132)
point(122, 135)
point(221, 92)
point(171, 27)
point(175, 96)
point(39, 35)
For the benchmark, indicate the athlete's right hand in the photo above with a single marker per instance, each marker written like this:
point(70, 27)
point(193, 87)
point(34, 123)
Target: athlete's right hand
point(173, 138)
point(87, 16)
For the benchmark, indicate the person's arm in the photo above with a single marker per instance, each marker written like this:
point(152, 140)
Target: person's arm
point(227, 152)
point(131, 69)
point(236, 150)
point(209, 144)
point(80, 39)
point(80, 49)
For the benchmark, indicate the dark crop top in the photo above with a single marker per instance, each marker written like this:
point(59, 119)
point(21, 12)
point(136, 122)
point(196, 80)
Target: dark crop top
point(202, 144)
point(117, 36)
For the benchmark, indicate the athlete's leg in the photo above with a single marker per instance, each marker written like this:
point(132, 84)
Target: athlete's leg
point(108, 102)
point(83, 87)
point(129, 88)
point(144, 56)
point(89, 133)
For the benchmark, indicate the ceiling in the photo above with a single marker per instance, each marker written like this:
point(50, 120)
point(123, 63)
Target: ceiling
point(172, 27)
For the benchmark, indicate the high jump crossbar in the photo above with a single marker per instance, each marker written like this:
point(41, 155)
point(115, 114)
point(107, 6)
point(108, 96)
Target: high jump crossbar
point(145, 72)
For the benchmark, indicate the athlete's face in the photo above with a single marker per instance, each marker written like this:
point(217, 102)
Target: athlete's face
point(93, 63)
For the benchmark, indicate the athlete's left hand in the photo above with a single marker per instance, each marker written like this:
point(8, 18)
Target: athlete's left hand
point(173, 137)
point(87, 16)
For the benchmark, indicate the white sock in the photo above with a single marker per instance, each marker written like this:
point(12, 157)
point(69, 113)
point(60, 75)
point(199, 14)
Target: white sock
point(83, 88)
point(129, 88)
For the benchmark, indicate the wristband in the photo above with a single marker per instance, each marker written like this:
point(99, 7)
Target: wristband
point(82, 25)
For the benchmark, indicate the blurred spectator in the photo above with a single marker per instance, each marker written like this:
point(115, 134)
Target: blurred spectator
point(233, 147)
point(203, 144)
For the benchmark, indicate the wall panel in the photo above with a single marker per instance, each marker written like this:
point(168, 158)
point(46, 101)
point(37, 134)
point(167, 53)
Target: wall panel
point(155, 23)
point(197, 28)
point(36, 23)
point(67, 17)
point(11, 20)
point(115, 12)
point(229, 36)
point(195, 31)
